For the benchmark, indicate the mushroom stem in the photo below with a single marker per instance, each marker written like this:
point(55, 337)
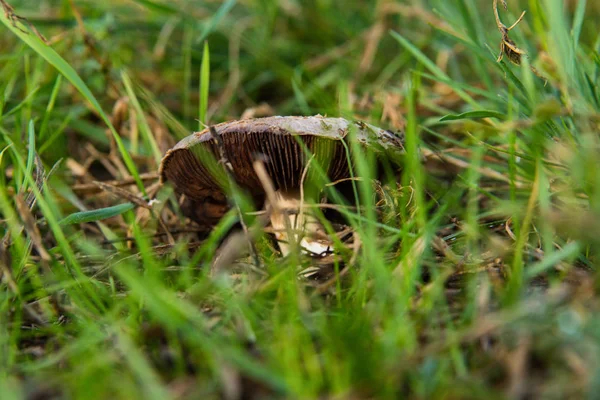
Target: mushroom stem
point(295, 226)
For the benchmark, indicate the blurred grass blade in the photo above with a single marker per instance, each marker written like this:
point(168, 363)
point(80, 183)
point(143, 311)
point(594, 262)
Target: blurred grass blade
point(30, 154)
point(300, 97)
point(418, 54)
point(204, 85)
point(578, 20)
point(23, 103)
point(145, 128)
point(159, 7)
point(68, 72)
point(2, 153)
point(212, 23)
point(96, 215)
point(50, 106)
point(430, 65)
point(593, 91)
point(83, 293)
point(474, 115)
point(567, 252)
point(140, 365)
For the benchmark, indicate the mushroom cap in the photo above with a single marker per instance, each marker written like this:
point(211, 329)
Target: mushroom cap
point(276, 139)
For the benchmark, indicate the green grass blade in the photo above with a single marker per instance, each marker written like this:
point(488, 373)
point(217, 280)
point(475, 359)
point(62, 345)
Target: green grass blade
point(30, 154)
point(96, 215)
point(430, 65)
point(141, 367)
point(300, 98)
point(158, 7)
point(214, 21)
point(84, 293)
point(2, 153)
point(569, 251)
point(578, 20)
point(145, 128)
point(50, 106)
point(52, 57)
point(474, 115)
point(204, 86)
point(22, 104)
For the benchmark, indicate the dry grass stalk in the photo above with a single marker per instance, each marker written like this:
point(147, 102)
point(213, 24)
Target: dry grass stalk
point(138, 201)
point(462, 164)
point(92, 188)
point(272, 198)
point(9, 13)
point(508, 47)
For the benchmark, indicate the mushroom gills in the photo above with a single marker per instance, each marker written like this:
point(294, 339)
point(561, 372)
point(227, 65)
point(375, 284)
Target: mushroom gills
point(291, 218)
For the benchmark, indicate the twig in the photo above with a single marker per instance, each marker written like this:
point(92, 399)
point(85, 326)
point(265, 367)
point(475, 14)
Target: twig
point(137, 200)
point(122, 194)
point(91, 188)
point(356, 178)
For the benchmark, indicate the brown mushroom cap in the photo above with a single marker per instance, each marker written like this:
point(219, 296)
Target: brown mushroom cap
point(274, 138)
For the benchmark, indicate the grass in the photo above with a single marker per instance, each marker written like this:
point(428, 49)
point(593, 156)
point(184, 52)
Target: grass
point(475, 274)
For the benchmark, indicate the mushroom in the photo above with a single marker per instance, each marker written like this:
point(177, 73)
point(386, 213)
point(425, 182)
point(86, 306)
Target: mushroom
point(277, 140)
